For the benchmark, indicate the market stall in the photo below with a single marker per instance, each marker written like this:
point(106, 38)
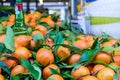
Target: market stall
point(47, 46)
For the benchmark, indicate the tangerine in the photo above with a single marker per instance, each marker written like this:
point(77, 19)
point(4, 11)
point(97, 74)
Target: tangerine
point(42, 29)
point(18, 69)
point(63, 52)
point(2, 37)
point(105, 74)
point(49, 42)
point(2, 77)
point(81, 37)
point(80, 44)
point(103, 56)
point(117, 51)
point(10, 62)
point(44, 56)
point(97, 68)
point(37, 14)
point(81, 71)
point(47, 72)
point(116, 59)
point(89, 78)
point(22, 52)
point(74, 58)
point(55, 77)
point(22, 40)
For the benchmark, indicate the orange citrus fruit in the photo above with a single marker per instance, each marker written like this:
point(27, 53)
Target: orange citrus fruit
point(66, 42)
point(18, 69)
point(49, 42)
point(55, 77)
point(4, 23)
point(11, 18)
point(2, 77)
point(116, 59)
point(103, 56)
point(81, 71)
point(10, 62)
point(105, 74)
point(32, 43)
point(97, 68)
point(22, 40)
point(42, 29)
point(2, 37)
point(89, 78)
point(74, 58)
point(44, 56)
point(106, 44)
point(119, 77)
point(80, 44)
point(32, 24)
point(81, 37)
point(117, 51)
point(22, 52)
point(47, 72)
point(0, 70)
point(63, 52)
point(37, 14)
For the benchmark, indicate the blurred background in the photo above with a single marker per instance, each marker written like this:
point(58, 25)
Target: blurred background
point(61, 7)
point(93, 16)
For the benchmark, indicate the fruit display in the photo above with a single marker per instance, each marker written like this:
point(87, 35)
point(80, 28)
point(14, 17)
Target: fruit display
point(53, 50)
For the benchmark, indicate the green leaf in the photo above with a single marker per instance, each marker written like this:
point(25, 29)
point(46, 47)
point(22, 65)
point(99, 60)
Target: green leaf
point(53, 71)
point(64, 65)
point(8, 9)
point(108, 49)
point(54, 17)
point(76, 67)
point(116, 76)
point(68, 35)
point(50, 79)
point(39, 39)
point(15, 78)
point(64, 58)
point(9, 39)
point(4, 18)
point(65, 25)
point(44, 24)
point(76, 31)
point(89, 55)
point(44, 15)
point(3, 49)
point(29, 30)
point(9, 56)
point(27, 78)
point(96, 44)
point(2, 29)
point(51, 33)
point(38, 70)
point(58, 39)
point(66, 74)
point(105, 37)
point(33, 54)
point(5, 68)
point(30, 68)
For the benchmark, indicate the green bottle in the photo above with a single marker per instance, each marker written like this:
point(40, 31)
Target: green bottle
point(19, 25)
